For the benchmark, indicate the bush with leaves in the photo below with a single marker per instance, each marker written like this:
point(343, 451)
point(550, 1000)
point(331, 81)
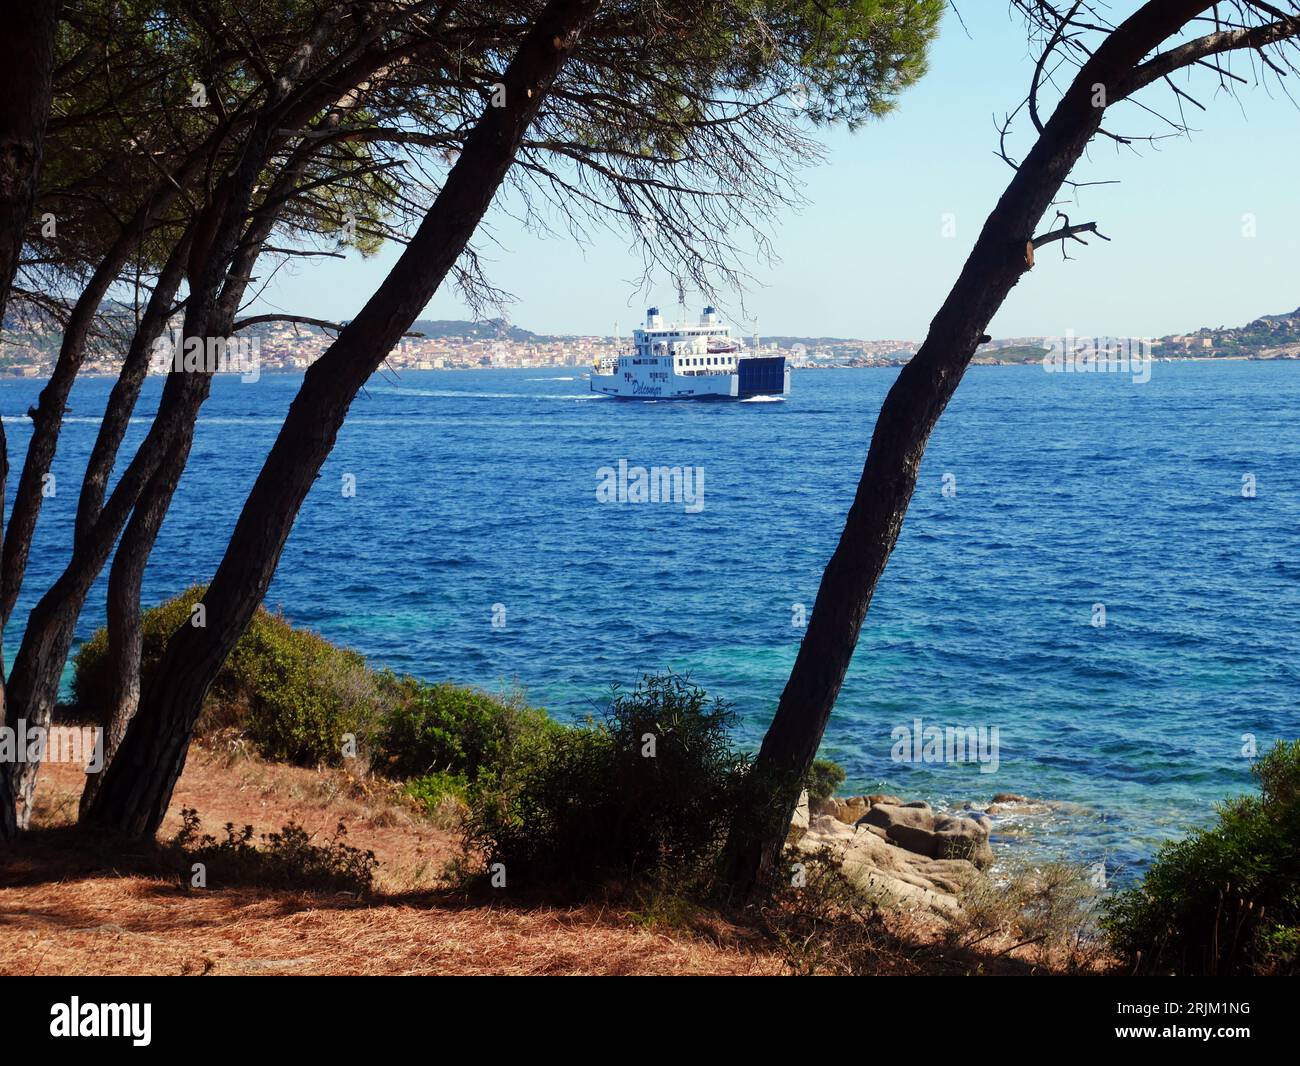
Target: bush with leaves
point(648, 791)
point(1225, 900)
point(824, 779)
point(446, 728)
point(432, 791)
point(294, 693)
point(91, 668)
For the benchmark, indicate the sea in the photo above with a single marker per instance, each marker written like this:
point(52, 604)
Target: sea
point(1098, 577)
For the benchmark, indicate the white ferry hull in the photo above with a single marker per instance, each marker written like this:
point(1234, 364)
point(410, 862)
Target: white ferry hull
point(654, 379)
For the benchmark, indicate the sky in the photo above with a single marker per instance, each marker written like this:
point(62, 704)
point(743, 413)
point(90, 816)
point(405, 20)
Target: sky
point(1205, 230)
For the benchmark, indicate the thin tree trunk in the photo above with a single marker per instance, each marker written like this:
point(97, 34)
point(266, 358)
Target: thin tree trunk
point(163, 454)
point(26, 88)
point(126, 390)
point(138, 784)
point(47, 414)
point(126, 576)
point(125, 636)
point(48, 634)
point(112, 429)
point(907, 417)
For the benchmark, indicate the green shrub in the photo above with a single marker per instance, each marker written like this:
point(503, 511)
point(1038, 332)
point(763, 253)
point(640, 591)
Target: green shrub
point(648, 791)
point(824, 779)
point(447, 728)
point(90, 678)
point(299, 693)
point(294, 693)
point(432, 790)
point(296, 696)
point(1225, 900)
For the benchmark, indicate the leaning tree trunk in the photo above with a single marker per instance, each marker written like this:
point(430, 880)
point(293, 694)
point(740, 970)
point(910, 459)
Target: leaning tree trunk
point(38, 665)
point(1002, 253)
point(125, 633)
point(138, 784)
point(161, 457)
point(62, 619)
point(47, 414)
point(126, 390)
point(214, 245)
point(26, 87)
point(126, 578)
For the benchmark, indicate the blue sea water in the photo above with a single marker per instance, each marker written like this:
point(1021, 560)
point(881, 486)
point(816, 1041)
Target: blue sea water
point(478, 489)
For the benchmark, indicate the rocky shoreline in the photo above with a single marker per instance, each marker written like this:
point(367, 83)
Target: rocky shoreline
point(906, 854)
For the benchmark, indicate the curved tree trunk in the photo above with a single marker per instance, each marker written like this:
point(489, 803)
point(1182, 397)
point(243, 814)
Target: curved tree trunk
point(47, 637)
point(907, 417)
point(47, 415)
point(33, 682)
point(26, 87)
point(126, 390)
point(125, 636)
point(126, 577)
point(138, 784)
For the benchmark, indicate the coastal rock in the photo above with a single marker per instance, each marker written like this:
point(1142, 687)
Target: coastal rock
point(903, 854)
point(888, 815)
point(894, 874)
point(963, 838)
point(1013, 803)
point(919, 830)
point(845, 809)
point(875, 830)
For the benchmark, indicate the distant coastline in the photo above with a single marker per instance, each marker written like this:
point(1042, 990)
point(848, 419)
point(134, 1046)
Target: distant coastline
point(28, 350)
point(979, 360)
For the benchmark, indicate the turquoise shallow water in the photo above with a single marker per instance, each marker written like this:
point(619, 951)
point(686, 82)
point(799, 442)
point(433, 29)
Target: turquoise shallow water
point(479, 488)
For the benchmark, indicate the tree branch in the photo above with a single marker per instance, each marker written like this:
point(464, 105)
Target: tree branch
point(1211, 44)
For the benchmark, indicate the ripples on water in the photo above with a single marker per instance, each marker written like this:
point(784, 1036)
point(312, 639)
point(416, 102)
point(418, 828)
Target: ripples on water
point(478, 488)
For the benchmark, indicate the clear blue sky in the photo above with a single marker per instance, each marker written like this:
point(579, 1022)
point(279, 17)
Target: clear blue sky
point(867, 257)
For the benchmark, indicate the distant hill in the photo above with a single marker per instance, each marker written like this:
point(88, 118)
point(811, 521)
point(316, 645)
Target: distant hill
point(1267, 337)
point(433, 329)
point(491, 329)
point(1013, 353)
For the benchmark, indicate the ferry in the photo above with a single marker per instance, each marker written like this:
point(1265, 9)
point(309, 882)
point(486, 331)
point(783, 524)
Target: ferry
point(699, 361)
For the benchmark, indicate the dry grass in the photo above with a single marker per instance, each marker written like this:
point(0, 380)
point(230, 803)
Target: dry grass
point(72, 904)
point(1046, 913)
point(69, 905)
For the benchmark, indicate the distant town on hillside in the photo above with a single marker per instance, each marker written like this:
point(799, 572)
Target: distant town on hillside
point(29, 348)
